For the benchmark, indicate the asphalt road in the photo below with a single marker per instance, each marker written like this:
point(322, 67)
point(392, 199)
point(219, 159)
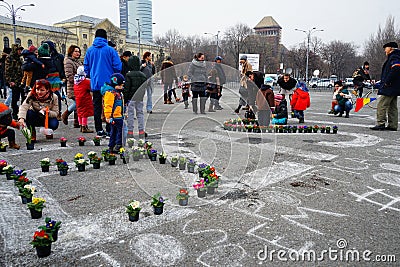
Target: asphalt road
point(282, 197)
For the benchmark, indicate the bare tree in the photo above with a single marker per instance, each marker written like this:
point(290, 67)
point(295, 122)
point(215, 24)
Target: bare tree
point(373, 47)
point(234, 44)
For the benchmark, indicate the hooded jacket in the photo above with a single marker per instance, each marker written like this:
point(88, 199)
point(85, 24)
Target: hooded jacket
point(168, 73)
point(101, 61)
point(134, 80)
point(71, 66)
point(13, 70)
point(58, 59)
point(84, 103)
point(197, 71)
point(390, 77)
point(300, 100)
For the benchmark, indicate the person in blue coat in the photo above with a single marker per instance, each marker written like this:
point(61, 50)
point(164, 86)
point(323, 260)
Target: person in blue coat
point(101, 61)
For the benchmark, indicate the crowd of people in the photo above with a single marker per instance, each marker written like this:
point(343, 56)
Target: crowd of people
point(112, 88)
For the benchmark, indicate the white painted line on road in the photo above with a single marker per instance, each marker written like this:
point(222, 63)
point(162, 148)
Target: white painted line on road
point(390, 167)
point(107, 257)
point(214, 231)
point(381, 194)
point(226, 255)
point(305, 154)
point(388, 178)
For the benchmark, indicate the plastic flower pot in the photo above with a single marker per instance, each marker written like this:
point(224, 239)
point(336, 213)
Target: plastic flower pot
point(63, 172)
point(63, 144)
point(182, 166)
point(81, 168)
point(96, 143)
point(136, 157)
point(30, 146)
point(45, 168)
point(328, 131)
point(26, 200)
point(81, 143)
point(190, 169)
point(8, 176)
point(55, 235)
point(201, 193)
point(183, 202)
point(96, 165)
point(162, 160)
point(135, 217)
point(210, 190)
point(174, 163)
point(43, 251)
point(35, 214)
point(158, 210)
point(334, 131)
point(111, 162)
point(153, 157)
point(3, 149)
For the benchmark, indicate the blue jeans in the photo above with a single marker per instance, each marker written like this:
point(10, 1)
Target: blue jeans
point(9, 97)
point(72, 107)
point(116, 133)
point(149, 92)
point(299, 114)
point(347, 107)
point(35, 119)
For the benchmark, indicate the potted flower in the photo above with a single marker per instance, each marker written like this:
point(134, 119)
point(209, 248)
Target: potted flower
point(78, 156)
point(157, 201)
point(45, 164)
point(111, 158)
point(334, 129)
point(8, 170)
point(124, 155)
point(190, 165)
point(315, 128)
point(97, 140)
point(130, 142)
point(91, 155)
point(328, 129)
point(140, 143)
point(3, 146)
point(143, 152)
point(136, 154)
point(280, 128)
point(256, 129)
point(182, 197)
point(182, 163)
point(21, 181)
point(249, 128)
point(96, 162)
point(58, 162)
point(210, 179)
point(42, 243)
point(81, 140)
point(162, 157)
point(200, 187)
point(201, 167)
point(36, 207)
point(104, 153)
point(63, 141)
point(294, 128)
point(153, 154)
point(121, 152)
point(3, 163)
point(81, 164)
point(26, 193)
point(51, 228)
point(18, 174)
point(322, 129)
point(63, 168)
point(309, 129)
point(27, 133)
point(174, 161)
point(133, 210)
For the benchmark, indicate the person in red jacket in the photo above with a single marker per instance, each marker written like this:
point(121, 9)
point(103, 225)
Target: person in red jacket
point(6, 120)
point(300, 101)
point(83, 98)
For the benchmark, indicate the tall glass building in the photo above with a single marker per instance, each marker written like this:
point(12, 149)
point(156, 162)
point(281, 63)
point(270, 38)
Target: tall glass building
point(132, 10)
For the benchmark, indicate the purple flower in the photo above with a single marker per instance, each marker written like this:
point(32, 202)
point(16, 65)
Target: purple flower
point(51, 224)
point(18, 172)
point(202, 166)
point(161, 199)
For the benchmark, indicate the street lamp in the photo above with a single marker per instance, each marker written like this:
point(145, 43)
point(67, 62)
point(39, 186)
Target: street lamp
point(216, 35)
point(13, 12)
point(309, 32)
point(138, 31)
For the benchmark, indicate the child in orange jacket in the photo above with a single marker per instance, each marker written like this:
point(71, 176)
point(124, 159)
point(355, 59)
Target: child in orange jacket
point(300, 101)
point(6, 120)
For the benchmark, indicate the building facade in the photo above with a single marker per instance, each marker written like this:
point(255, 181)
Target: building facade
point(136, 19)
point(79, 30)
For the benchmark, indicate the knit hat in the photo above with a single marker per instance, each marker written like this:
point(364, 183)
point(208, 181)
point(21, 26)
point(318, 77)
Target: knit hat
point(80, 75)
point(4, 110)
point(101, 33)
point(302, 86)
point(244, 57)
point(218, 58)
point(278, 97)
point(32, 48)
point(117, 79)
point(127, 54)
point(110, 43)
point(43, 50)
point(391, 44)
point(168, 58)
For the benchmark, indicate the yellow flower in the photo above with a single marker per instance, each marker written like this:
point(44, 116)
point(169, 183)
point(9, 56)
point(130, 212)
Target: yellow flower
point(78, 156)
point(37, 200)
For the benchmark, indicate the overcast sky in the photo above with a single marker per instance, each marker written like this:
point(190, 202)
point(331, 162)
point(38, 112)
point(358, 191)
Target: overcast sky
point(346, 20)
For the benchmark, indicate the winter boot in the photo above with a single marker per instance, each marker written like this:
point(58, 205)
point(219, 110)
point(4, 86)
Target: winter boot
point(14, 145)
point(217, 106)
point(186, 104)
point(130, 134)
point(340, 114)
point(76, 122)
point(85, 129)
point(64, 116)
point(238, 109)
point(194, 105)
point(347, 114)
point(142, 134)
point(177, 99)
point(203, 101)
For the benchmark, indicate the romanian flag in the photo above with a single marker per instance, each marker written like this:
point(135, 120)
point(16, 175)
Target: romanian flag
point(361, 102)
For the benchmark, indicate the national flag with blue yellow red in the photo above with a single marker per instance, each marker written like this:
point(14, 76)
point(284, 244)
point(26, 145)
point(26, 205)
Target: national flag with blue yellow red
point(361, 102)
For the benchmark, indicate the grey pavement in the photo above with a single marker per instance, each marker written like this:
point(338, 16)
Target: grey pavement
point(282, 197)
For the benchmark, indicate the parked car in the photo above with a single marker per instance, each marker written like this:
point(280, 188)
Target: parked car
point(271, 79)
point(348, 82)
point(313, 81)
point(323, 83)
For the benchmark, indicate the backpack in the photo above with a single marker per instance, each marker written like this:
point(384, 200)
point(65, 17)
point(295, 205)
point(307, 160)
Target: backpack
point(27, 65)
